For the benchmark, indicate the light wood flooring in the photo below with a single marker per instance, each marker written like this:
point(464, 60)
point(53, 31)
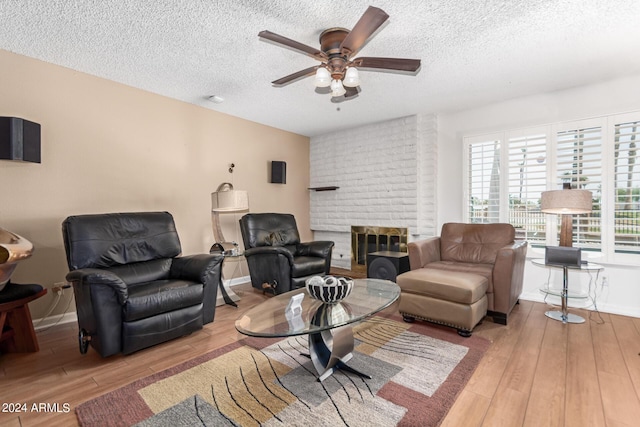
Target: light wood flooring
point(537, 372)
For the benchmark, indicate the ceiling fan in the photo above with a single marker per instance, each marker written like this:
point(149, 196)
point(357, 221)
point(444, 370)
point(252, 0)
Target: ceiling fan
point(338, 47)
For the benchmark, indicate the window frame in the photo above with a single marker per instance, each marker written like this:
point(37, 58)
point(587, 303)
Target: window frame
point(607, 124)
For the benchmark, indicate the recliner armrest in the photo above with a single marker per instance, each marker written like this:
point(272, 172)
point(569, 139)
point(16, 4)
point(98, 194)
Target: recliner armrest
point(201, 268)
point(508, 271)
point(197, 268)
point(99, 277)
point(423, 252)
point(269, 250)
point(319, 248)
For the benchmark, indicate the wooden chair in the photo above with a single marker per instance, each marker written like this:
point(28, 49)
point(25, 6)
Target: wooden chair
point(16, 327)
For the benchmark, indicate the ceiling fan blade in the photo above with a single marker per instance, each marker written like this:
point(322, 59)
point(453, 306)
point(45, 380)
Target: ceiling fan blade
point(292, 44)
point(295, 76)
point(364, 28)
point(399, 64)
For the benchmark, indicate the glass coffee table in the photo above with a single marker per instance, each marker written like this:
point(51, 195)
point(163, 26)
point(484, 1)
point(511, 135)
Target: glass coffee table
point(331, 338)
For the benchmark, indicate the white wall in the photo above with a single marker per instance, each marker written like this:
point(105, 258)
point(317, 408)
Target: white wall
point(386, 173)
point(622, 295)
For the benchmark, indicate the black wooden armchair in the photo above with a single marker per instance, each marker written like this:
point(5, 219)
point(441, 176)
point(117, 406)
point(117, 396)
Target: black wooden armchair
point(131, 287)
point(277, 260)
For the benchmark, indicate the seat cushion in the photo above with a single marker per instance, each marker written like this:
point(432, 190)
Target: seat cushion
point(307, 266)
point(13, 292)
point(143, 272)
point(161, 296)
point(463, 288)
point(485, 270)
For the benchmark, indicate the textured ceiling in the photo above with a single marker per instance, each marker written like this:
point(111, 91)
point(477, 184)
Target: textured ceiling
point(473, 52)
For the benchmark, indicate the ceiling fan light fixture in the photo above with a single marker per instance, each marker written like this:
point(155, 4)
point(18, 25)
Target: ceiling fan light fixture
point(351, 78)
point(337, 89)
point(323, 77)
point(337, 55)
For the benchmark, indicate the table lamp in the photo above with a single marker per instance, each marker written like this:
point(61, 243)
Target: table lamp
point(566, 202)
point(226, 200)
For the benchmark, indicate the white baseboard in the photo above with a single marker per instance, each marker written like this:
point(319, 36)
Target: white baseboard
point(58, 319)
point(238, 281)
point(579, 303)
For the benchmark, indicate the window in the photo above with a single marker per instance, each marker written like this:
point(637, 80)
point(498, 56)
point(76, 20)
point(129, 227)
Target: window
point(484, 181)
point(579, 163)
point(527, 180)
point(627, 188)
point(507, 172)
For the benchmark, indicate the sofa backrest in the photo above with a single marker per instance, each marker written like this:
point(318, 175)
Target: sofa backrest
point(113, 239)
point(269, 229)
point(474, 243)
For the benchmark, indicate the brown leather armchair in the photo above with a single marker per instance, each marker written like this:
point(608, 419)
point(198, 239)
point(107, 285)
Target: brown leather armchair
point(453, 275)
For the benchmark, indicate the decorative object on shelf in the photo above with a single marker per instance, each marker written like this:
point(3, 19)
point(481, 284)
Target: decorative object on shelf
point(13, 248)
point(19, 140)
point(566, 202)
point(338, 70)
point(329, 289)
point(226, 200)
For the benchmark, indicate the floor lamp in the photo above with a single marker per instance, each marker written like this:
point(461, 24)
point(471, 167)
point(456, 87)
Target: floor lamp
point(566, 202)
point(227, 200)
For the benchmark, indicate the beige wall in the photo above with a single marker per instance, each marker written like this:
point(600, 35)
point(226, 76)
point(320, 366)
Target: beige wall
point(107, 147)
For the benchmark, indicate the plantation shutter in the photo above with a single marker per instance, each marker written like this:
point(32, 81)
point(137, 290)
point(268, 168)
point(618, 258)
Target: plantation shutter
point(527, 179)
point(579, 162)
point(483, 176)
point(627, 188)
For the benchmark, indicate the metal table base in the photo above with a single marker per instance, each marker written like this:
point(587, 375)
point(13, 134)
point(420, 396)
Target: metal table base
point(564, 316)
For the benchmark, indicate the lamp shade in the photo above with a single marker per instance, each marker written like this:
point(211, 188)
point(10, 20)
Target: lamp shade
point(566, 202)
point(323, 78)
point(351, 78)
point(226, 199)
point(337, 89)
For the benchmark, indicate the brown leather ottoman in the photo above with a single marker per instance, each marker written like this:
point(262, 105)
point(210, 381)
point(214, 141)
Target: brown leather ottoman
point(450, 298)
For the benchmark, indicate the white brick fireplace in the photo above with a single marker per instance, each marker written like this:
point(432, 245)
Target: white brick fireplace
point(386, 174)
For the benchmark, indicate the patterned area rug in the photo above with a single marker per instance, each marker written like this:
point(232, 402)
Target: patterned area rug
point(418, 370)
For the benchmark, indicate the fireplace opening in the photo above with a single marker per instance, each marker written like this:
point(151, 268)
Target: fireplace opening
point(365, 239)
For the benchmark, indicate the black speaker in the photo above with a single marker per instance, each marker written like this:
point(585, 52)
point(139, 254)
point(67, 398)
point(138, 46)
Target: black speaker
point(387, 265)
point(563, 255)
point(278, 172)
point(19, 139)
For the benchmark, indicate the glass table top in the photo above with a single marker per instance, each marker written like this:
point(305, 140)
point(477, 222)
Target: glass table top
point(591, 266)
point(268, 319)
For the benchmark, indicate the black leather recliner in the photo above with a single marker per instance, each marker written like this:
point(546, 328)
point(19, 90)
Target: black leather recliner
point(276, 258)
point(132, 289)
